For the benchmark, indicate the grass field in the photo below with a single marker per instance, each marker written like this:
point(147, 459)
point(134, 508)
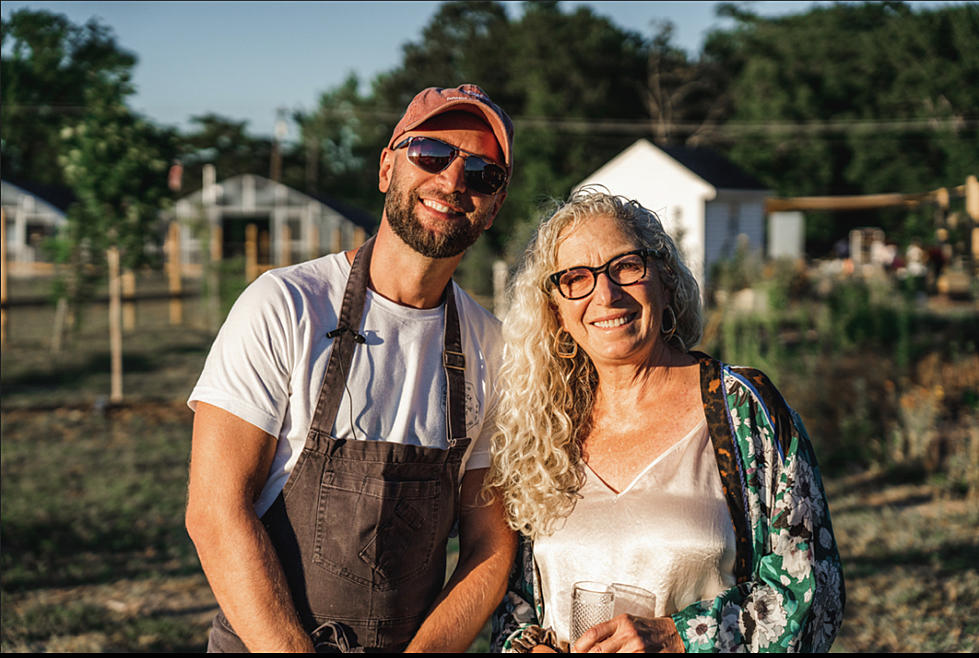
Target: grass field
point(95, 557)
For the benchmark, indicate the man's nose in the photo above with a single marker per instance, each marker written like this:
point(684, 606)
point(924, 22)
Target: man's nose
point(453, 177)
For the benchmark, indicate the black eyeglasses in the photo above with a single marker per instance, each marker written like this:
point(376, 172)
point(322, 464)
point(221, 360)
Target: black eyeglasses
point(623, 270)
point(433, 155)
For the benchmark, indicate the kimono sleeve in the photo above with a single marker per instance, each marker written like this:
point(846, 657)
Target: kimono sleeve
point(794, 599)
point(516, 621)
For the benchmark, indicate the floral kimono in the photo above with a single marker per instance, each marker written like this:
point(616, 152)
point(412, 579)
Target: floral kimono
point(789, 590)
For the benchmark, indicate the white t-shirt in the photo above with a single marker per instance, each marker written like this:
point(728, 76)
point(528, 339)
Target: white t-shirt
point(269, 359)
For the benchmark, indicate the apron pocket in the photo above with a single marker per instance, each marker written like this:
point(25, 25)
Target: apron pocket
point(376, 532)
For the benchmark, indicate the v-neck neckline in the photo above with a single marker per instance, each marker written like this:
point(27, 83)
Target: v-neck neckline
point(697, 429)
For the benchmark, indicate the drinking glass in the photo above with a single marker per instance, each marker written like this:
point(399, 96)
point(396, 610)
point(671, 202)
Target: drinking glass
point(633, 600)
point(591, 603)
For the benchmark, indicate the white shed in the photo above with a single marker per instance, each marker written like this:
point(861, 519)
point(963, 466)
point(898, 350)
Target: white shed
point(32, 214)
point(290, 225)
point(703, 199)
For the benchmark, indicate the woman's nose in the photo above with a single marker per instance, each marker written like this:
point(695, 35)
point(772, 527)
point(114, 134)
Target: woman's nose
point(606, 290)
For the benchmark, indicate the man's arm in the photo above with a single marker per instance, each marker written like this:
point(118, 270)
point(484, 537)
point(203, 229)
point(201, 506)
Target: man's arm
point(230, 460)
point(486, 550)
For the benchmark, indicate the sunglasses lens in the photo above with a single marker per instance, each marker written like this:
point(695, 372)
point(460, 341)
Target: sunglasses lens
point(484, 177)
point(431, 155)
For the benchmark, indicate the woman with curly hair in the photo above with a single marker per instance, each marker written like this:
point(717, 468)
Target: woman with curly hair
point(624, 457)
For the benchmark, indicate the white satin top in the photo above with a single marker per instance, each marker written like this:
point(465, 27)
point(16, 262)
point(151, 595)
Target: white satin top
point(669, 532)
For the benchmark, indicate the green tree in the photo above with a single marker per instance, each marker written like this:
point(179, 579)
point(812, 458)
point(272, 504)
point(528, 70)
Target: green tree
point(224, 143)
point(116, 162)
point(47, 64)
point(854, 98)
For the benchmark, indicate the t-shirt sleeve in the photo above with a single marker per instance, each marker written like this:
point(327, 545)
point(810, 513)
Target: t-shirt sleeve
point(248, 369)
point(481, 454)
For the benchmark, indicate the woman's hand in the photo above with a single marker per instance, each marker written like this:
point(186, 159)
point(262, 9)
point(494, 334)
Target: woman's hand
point(629, 634)
point(542, 648)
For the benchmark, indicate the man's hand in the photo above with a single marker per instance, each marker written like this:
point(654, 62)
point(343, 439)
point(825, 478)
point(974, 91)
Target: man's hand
point(486, 550)
point(629, 634)
point(230, 461)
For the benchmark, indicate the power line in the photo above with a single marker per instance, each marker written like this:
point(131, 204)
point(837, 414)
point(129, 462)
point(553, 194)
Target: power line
point(647, 126)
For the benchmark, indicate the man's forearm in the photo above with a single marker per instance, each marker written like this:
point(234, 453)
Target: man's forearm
point(486, 550)
point(461, 610)
point(250, 585)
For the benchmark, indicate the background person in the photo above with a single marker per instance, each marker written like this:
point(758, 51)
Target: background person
point(344, 412)
point(624, 457)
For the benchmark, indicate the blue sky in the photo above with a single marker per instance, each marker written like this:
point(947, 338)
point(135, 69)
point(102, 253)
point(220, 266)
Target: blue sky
point(244, 60)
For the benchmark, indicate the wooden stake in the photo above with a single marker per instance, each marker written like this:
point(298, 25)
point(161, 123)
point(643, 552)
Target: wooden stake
point(251, 252)
point(314, 241)
point(214, 281)
point(128, 280)
point(285, 248)
point(174, 272)
point(972, 197)
point(115, 323)
point(3, 277)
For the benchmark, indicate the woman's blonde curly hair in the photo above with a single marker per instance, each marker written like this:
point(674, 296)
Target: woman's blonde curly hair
point(546, 399)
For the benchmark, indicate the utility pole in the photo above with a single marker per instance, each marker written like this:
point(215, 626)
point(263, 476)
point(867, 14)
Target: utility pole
point(281, 130)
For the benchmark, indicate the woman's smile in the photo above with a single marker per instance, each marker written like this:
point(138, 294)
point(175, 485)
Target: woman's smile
point(614, 322)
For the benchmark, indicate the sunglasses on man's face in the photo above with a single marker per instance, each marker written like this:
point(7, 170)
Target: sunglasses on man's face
point(433, 155)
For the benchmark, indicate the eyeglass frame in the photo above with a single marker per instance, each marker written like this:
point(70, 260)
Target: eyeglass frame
point(555, 278)
point(457, 151)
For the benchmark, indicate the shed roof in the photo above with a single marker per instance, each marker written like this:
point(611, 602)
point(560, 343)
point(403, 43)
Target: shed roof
point(58, 197)
point(713, 168)
point(231, 191)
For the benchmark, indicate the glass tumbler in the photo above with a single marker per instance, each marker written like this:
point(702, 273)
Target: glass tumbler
point(591, 603)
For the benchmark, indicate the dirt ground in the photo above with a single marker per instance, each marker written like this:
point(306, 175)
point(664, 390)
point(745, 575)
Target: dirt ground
point(911, 562)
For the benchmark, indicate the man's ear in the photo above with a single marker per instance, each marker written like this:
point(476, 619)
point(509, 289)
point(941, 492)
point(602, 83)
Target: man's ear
point(385, 170)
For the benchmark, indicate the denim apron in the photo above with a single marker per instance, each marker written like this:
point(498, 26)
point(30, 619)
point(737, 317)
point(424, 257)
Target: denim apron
point(360, 527)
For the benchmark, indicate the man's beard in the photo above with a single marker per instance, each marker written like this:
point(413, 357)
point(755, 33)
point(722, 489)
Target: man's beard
point(459, 235)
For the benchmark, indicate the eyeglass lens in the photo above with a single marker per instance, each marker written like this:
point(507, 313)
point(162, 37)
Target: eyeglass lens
point(433, 156)
point(623, 270)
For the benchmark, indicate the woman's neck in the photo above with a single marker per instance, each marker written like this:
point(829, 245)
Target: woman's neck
point(625, 386)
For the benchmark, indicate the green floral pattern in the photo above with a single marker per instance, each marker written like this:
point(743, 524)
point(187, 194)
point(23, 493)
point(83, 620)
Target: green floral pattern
point(791, 594)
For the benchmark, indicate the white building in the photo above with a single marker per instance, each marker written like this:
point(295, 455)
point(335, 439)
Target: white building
point(703, 200)
point(31, 215)
point(290, 226)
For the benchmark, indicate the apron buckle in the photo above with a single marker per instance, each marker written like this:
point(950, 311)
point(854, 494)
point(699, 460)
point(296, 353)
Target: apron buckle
point(455, 360)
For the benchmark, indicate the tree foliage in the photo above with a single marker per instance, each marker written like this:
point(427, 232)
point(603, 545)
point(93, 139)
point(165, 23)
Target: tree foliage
point(116, 162)
point(48, 63)
point(224, 143)
point(872, 97)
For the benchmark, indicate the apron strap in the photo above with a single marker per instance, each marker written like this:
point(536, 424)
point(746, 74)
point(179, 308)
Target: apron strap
point(454, 362)
point(346, 338)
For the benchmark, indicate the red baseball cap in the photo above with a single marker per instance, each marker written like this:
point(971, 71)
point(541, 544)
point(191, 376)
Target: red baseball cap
point(467, 98)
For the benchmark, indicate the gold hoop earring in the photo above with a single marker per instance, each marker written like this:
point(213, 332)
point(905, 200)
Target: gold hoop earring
point(668, 333)
point(560, 347)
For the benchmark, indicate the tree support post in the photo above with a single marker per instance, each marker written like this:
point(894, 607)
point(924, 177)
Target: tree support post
point(115, 323)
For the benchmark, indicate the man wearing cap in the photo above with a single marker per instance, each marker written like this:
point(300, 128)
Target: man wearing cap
point(343, 417)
